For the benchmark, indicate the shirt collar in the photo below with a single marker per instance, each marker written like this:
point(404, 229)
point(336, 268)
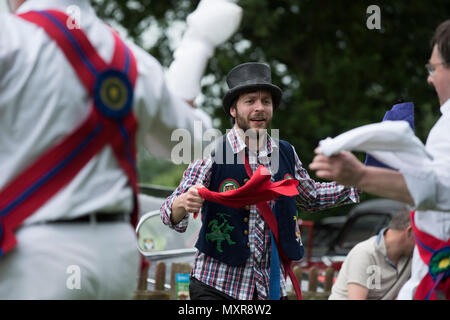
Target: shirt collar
point(382, 246)
point(445, 108)
point(380, 237)
point(238, 144)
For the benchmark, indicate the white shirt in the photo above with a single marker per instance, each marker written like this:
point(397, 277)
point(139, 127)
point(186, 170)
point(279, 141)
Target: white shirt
point(430, 185)
point(42, 101)
point(430, 189)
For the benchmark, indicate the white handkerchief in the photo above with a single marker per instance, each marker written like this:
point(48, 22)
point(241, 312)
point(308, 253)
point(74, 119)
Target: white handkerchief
point(391, 142)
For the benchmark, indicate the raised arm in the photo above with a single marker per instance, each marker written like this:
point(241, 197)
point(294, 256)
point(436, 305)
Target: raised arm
point(321, 195)
point(347, 170)
point(165, 100)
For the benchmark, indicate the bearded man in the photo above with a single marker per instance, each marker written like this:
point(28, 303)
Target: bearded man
point(236, 257)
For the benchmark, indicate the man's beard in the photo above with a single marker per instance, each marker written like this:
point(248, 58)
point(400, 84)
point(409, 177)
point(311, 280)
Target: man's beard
point(254, 136)
point(245, 125)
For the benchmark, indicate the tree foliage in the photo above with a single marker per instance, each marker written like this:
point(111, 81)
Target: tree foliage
point(336, 74)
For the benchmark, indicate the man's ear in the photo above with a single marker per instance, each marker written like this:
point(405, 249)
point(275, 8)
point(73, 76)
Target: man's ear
point(409, 231)
point(233, 111)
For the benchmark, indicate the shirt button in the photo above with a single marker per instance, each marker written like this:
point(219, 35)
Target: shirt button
point(245, 232)
point(248, 244)
point(245, 219)
point(247, 207)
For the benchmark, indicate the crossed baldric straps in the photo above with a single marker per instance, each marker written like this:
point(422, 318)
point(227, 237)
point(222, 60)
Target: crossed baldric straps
point(259, 189)
point(110, 122)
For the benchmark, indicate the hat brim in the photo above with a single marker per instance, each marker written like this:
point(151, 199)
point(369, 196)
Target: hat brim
point(232, 94)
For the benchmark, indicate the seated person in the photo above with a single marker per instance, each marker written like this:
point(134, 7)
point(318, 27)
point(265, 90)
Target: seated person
point(377, 268)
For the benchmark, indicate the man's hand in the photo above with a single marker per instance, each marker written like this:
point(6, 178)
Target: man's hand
point(344, 168)
point(190, 201)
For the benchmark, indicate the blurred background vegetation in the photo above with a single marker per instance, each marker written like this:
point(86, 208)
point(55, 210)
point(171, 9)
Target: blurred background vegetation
point(336, 74)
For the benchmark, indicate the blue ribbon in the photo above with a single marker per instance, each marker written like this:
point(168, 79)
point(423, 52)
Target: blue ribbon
point(274, 282)
point(401, 111)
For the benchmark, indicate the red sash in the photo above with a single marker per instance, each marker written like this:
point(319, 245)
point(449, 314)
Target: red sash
point(435, 253)
point(260, 189)
point(110, 122)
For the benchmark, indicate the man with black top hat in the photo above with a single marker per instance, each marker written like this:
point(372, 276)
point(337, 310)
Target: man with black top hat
point(234, 259)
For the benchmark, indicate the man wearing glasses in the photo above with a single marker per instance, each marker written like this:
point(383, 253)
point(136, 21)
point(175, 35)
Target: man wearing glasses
point(426, 188)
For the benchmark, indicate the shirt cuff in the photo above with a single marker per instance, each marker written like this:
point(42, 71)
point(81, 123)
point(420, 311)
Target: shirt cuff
point(166, 212)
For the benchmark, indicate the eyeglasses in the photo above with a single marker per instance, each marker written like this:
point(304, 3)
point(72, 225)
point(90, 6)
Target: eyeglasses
point(431, 67)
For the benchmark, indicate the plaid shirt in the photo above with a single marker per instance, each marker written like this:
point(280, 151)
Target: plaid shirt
point(240, 282)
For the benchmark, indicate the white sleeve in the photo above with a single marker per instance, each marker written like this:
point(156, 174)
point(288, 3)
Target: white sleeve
point(160, 112)
point(212, 23)
point(422, 187)
point(429, 189)
point(429, 185)
point(161, 108)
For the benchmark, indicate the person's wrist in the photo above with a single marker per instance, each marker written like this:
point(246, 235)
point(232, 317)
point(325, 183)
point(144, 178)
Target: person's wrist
point(361, 177)
point(182, 202)
point(178, 209)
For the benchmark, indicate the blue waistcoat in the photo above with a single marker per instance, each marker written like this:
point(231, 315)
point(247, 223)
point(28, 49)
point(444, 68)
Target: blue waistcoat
point(224, 232)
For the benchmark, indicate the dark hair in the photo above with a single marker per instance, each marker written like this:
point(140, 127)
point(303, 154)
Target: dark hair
point(233, 105)
point(441, 38)
point(400, 220)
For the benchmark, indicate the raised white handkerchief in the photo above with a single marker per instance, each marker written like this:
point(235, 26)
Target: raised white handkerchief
point(392, 142)
point(210, 25)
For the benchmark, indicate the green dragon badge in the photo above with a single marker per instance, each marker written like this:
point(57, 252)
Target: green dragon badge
point(220, 232)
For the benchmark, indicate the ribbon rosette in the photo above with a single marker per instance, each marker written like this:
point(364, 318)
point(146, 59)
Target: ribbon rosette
point(440, 263)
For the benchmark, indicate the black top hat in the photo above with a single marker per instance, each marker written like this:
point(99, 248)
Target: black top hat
point(247, 77)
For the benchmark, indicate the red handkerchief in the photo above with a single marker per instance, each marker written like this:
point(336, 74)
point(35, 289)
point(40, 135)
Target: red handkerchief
point(259, 188)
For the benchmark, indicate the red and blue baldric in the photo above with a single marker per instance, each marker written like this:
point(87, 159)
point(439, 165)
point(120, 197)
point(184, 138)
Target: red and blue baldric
point(435, 253)
point(110, 122)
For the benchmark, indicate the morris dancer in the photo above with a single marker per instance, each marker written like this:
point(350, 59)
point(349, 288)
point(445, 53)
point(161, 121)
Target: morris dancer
point(426, 188)
point(72, 94)
point(241, 240)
